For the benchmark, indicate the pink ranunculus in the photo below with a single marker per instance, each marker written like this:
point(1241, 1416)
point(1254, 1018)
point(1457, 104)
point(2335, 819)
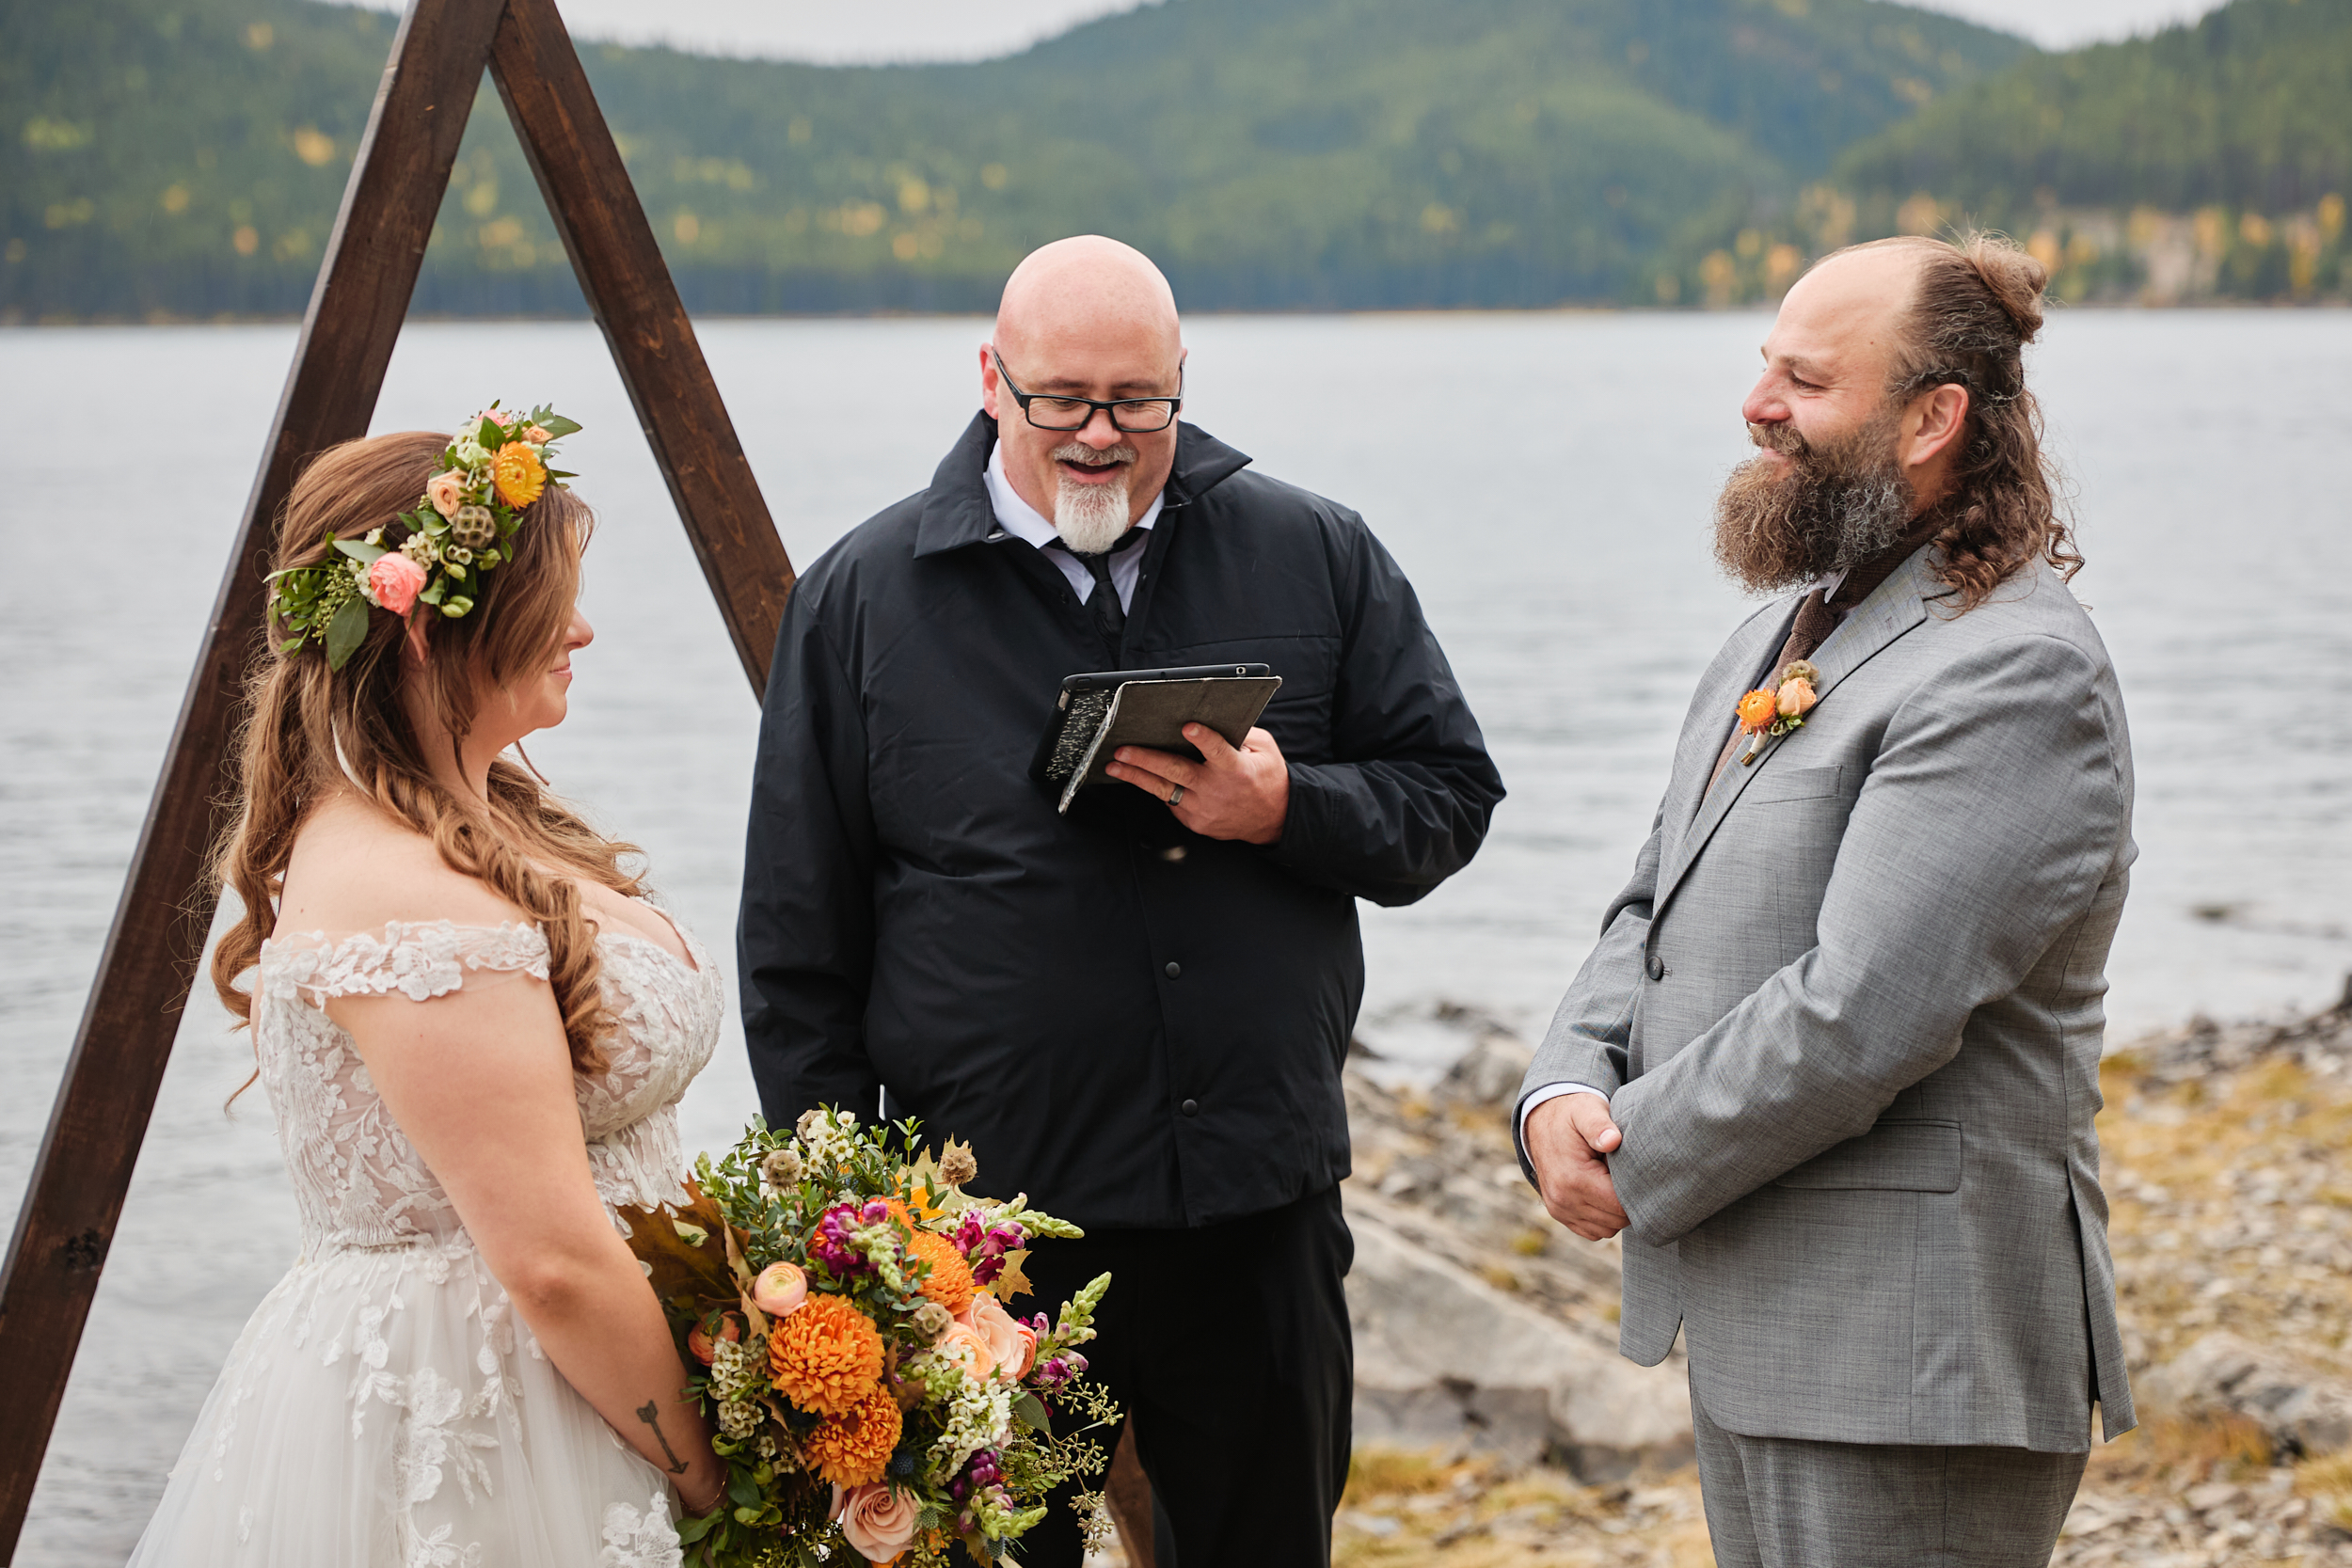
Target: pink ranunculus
point(879, 1522)
point(396, 581)
point(447, 492)
point(504, 419)
point(780, 1290)
point(1011, 1343)
point(538, 436)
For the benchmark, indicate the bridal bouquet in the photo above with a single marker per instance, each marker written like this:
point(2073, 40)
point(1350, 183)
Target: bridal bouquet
point(870, 1392)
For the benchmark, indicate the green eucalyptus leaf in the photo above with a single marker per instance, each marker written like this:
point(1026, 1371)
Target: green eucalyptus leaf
point(360, 550)
point(556, 425)
point(1030, 1411)
point(346, 631)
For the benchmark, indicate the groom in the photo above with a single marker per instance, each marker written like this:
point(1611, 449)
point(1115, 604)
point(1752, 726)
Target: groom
point(1833, 1066)
point(1137, 1012)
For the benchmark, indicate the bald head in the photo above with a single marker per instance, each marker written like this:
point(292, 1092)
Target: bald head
point(1085, 318)
point(1087, 288)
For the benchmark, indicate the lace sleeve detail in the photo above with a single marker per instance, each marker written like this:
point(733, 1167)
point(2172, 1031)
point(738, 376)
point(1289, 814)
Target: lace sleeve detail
point(420, 959)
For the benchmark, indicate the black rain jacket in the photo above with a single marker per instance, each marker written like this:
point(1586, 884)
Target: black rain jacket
point(1137, 1027)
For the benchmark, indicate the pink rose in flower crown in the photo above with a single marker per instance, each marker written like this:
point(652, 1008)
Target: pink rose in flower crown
point(395, 580)
point(780, 1291)
point(879, 1522)
point(504, 419)
point(447, 492)
point(538, 436)
point(1011, 1343)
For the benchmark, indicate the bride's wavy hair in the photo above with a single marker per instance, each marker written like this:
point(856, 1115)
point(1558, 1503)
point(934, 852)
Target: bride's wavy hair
point(308, 731)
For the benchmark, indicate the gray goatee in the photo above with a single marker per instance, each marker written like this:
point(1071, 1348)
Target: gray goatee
point(1090, 517)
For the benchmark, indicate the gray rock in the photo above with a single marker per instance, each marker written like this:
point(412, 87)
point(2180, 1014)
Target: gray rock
point(1444, 1359)
point(2302, 1409)
point(1488, 1074)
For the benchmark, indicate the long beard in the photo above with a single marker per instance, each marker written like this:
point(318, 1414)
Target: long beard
point(1835, 506)
point(1090, 517)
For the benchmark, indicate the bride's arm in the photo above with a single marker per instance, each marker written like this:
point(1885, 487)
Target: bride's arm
point(480, 1082)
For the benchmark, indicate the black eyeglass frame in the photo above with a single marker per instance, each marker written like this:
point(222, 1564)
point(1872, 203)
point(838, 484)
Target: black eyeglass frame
point(1110, 406)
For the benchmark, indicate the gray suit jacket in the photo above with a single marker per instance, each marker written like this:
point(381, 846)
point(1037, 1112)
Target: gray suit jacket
point(1848, 1016)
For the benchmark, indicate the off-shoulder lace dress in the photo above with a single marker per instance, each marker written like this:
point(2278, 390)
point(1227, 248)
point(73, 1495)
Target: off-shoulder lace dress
point(384, 1407)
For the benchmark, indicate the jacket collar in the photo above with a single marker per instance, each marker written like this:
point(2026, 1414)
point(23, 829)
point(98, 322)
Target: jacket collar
point(1892, 609)
point(956, 509)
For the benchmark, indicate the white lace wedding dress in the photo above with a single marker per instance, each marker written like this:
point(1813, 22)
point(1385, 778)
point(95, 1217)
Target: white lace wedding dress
point(385, 1408)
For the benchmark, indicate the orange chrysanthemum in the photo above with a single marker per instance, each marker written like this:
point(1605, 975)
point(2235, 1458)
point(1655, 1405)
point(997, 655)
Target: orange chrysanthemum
point(826, 1356)
point(518, 474)
point(1757, 709)
point(853, 1448)
point(949, 1283)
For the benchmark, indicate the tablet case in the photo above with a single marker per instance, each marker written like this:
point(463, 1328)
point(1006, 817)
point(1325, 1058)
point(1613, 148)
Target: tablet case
point(1090, 723)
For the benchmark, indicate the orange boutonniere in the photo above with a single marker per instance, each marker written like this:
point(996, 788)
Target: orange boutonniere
point(1777, 708)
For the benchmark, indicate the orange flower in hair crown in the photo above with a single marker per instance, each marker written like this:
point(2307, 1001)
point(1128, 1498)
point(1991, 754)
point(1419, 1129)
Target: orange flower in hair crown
point(439, 553)
point(1777, 708)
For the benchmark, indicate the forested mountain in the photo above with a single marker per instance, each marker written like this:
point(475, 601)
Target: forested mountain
point(2211, 158)
point(185, 156)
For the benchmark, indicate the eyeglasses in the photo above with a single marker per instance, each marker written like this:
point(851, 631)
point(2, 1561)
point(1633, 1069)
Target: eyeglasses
point(1135, 416)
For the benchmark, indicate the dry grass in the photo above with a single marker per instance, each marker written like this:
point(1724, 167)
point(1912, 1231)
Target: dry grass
point(1475, 1512)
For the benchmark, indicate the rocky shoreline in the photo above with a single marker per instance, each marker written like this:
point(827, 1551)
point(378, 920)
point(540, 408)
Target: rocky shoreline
point(1495, 1421)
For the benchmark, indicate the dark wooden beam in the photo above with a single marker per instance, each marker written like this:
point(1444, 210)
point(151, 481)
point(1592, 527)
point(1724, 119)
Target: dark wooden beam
point(636, 302)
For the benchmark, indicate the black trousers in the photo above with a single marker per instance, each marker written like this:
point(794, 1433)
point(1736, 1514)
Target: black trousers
point(1229, 1347)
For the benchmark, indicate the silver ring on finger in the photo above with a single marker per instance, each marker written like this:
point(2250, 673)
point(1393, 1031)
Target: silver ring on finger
point(1175, 794)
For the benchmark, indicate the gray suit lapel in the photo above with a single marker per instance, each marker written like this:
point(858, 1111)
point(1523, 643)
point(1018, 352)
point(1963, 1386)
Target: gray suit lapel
point(1892, 609)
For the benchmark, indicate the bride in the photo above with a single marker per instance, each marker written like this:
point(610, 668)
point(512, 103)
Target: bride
point(474, 1030)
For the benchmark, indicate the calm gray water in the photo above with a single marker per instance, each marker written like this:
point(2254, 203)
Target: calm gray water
point(1545, 479)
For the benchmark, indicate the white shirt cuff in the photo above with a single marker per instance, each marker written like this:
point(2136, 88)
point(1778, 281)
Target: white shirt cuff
point(1550, 1091)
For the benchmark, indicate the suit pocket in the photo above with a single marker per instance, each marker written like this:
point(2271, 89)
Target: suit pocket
point(1897, 1156)
point(1798, 783)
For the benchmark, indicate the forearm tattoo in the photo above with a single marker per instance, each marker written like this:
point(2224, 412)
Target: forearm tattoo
point(650, 1412)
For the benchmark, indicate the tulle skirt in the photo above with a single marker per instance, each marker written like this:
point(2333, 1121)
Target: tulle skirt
point(385, 1409)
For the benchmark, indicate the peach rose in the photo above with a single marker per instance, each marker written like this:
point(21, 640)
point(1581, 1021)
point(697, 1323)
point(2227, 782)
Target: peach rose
point(780, 1291)
point(538, 436)
point(730, 1329)
point(968, 1346)
point(1796, 698)
point(879, 1522)
point(1011, 1343)
point(395, 580)
point(447, 492)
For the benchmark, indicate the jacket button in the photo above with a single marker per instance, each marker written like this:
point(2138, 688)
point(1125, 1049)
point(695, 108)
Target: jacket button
point(1657, 967)
point(1172, 970)
point(1190, 1107)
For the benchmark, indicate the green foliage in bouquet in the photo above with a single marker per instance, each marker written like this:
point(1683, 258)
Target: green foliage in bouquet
point(869, 1391)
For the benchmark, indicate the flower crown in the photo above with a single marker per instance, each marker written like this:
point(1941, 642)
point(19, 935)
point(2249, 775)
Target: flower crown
point(459, 533)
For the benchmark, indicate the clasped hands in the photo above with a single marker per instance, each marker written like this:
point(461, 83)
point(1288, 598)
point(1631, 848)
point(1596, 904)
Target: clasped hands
point(1235, 792)
point(1566, 1139)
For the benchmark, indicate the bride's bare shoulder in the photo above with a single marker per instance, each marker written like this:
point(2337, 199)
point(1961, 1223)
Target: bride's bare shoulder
point(355, 867)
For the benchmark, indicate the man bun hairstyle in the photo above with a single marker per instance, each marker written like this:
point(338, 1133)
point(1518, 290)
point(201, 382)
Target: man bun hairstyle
point(1978, 302)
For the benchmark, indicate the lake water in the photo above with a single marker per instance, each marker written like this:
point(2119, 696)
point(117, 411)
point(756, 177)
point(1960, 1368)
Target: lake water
point(1544, 479)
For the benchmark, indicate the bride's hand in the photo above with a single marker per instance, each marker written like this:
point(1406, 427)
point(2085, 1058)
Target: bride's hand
point(698, 1502)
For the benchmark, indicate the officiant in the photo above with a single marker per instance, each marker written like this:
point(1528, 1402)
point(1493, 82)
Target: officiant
point(1138, 1012)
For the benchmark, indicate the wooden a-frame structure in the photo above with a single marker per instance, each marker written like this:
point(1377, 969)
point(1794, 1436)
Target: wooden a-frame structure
point(356, 312)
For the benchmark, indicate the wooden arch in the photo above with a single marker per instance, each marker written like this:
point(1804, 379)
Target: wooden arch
point(354, 317)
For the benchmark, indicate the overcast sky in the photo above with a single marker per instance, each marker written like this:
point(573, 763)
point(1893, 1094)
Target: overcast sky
point(854, 30)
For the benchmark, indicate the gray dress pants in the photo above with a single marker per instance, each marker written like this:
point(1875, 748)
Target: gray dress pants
point(1785, 1502)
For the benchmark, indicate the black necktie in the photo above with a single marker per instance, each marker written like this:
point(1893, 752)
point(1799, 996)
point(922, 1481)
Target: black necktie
point(1110, 616)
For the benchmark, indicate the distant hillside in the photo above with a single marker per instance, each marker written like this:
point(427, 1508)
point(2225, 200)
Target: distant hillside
point(2211, 159)
point(183, 157)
